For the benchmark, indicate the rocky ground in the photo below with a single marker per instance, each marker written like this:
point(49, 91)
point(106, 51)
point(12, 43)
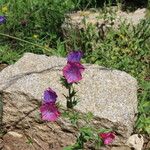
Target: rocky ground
point(21, 93)
point(23, 83)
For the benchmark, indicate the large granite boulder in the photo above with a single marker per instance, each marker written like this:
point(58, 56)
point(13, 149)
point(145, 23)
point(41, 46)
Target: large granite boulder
point(111, 95)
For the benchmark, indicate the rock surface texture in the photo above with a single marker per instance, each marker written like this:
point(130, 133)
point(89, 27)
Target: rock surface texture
point(111, 95)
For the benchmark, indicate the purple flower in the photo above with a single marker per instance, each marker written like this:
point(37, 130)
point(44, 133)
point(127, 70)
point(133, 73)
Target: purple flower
point(2, 19)
point(74, 56)
point(107, 137)
point(49, 112)
point(49, 96)
point(72, 72)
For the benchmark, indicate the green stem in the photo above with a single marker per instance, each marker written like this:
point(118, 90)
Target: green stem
point(12, 37)
point(70, 93)
point(69, 101)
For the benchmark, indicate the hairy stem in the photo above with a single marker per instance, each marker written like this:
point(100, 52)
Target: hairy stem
point(16, 38)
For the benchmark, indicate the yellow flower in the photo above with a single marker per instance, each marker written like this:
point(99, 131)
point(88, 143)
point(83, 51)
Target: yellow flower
point(35, 36)
point(4, 9)
point(46, 46)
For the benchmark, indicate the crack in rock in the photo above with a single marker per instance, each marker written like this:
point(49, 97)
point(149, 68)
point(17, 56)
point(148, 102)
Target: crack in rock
point(13, 79)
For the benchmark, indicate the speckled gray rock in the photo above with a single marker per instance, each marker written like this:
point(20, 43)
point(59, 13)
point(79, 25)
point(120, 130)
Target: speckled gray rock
point(111, 95)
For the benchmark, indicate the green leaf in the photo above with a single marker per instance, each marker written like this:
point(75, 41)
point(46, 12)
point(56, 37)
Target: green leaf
point(68, 148)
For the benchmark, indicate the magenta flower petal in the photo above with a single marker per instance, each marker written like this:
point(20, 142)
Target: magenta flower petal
point(107, 137)
point(108, 140)
point(73, 72)
point(74, 56)
point(49, 96)
point(49, 112)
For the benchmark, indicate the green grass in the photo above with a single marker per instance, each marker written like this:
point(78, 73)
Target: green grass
point(143, 121)
point(35, 26)
point(34, 21)
point(7, 55)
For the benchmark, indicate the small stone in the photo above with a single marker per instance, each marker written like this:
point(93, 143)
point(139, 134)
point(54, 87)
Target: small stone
point(121, 148)
point(135, 141)
point(13, 142)
point(15, 134)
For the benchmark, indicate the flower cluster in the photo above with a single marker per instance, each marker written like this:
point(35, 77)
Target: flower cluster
point(72, 73)
point(73, 70)
point(49, 110)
